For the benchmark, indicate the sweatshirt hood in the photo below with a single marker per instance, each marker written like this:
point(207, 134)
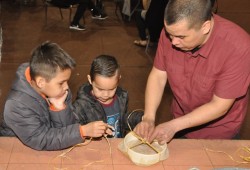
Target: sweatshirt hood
point(22, 85)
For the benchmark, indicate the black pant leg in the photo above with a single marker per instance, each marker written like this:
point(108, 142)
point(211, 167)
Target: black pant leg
point(83, 4)
point(155, 18)
point(141, 25)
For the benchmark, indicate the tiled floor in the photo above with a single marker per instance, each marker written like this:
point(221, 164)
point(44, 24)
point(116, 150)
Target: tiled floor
point(184, 154)
point(24, 28)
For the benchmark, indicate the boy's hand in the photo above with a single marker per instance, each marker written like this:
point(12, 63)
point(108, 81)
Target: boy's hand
point(58, 102)
point(96, 129)
point(110, 130)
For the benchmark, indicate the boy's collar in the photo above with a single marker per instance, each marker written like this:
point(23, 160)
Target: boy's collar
point(28, 78)
point(27, 75)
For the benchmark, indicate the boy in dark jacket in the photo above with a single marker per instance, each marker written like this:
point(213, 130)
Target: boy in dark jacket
point(38, 109)
point(102, 99)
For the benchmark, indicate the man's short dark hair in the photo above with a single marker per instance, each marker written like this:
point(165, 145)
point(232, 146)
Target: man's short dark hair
point(47, 59)
point(196, 12)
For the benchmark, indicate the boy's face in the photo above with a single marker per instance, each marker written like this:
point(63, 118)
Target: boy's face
point(57, 86)
point(104, 88)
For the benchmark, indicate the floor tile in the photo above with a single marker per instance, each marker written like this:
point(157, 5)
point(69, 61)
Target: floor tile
point(136, 167)
point(3, 166)
point(119, 158)
point(85, 154)
point(235, 167)
point(31, 167)
point(87, 167)
point(181, 155)
point(232, 6)
point(134, 81)
point(6, 146)
point(228, 155)
point(188, 167)
point(7, 74)
point(32, 156)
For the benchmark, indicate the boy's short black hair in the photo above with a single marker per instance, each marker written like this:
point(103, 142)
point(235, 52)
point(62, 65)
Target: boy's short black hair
point(47, 59)
point(104, 65)
point(196, 12)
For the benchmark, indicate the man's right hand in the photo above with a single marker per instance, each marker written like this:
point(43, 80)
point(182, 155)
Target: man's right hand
point(145, 128)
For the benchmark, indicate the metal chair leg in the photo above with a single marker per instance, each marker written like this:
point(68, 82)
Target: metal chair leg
point(148, 42)
point(70, 13)
point(60, 12)
point(46, 13)
point(83, 20)
point(147, 48)
point(135, 8)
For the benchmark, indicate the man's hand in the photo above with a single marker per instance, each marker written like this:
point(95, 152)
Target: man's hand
point(96, 129)
point(145, 128)
point(163, 133)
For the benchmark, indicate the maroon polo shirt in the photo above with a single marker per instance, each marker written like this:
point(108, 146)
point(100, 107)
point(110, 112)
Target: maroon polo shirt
point(220, 67)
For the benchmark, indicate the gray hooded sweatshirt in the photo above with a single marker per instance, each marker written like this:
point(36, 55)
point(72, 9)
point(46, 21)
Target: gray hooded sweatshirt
point(27, 115)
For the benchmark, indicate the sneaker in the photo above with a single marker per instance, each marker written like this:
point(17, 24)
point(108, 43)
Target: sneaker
point(77, 27)
point(100, 16)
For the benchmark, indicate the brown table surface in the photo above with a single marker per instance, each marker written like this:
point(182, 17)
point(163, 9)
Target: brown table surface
point(184, 154)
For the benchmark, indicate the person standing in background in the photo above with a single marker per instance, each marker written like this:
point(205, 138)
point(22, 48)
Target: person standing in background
point(81, 8)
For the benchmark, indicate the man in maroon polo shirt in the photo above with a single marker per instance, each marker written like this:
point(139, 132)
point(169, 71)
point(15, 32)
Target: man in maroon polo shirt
point(206, 60)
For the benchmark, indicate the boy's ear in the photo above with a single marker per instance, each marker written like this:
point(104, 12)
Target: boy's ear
point(40, 82)
point(89, 79)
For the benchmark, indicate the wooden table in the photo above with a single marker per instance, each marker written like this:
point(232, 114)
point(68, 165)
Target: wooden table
point(184, 154)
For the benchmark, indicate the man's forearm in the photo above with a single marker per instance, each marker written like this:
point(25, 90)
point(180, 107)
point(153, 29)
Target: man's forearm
point(154, 91)
point(216, 108)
